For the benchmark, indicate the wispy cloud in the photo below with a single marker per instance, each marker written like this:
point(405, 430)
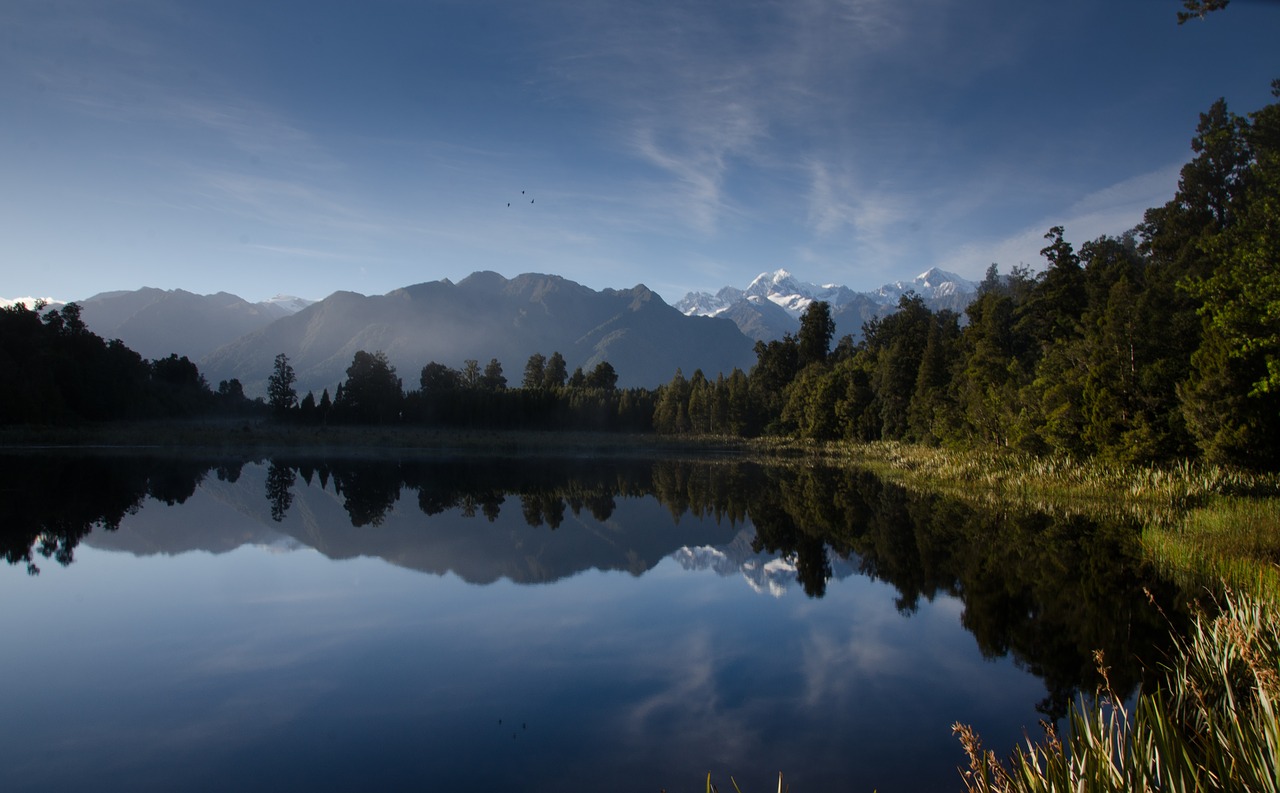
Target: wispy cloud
point(112, 66)
point(306, 253)
point(700, 95)
point(291, 203)
point(837, 203)
point(1111, 210)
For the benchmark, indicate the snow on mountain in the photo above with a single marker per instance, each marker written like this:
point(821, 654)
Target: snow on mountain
point(782, 290)
point(765, 574)
point(705, 304)
point(289, 303)
point(932, 284)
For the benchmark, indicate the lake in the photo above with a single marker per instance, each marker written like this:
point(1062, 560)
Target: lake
point(385, 622)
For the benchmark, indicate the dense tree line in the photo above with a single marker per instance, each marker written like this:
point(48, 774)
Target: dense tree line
point(1159, 344)
point(57, 372)
point(548, 397)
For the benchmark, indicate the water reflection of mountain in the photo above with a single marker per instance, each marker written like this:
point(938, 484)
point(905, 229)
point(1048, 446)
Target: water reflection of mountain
point(766, 573)
point(482, 521)
point(1045, 589)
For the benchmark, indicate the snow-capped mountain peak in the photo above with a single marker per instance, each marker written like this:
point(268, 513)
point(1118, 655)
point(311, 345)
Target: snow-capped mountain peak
point(774, 302)
point(791, 294)
point(932, 284)
point(289, 303)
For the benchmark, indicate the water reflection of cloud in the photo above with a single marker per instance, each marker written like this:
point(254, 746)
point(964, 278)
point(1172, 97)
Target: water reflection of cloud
point(834, 664)
point(689, 703)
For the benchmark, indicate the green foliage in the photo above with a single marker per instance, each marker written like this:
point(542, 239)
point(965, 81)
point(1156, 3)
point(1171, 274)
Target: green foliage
point(1211, 723)
point(438, 378)
point(372, 393)
point(280, 393)
point(603, 376)
point(671, 414)
point(896, 345)
point(493, 379)
point(58, 372)
point(1161, 344)
point(535, 371)
point(556, 373)
point(817, 328)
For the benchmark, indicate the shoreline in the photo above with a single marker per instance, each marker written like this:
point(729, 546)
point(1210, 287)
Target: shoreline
point(257, 437)
point(1200, 522)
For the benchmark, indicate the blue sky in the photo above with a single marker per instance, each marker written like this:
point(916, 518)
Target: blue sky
point(306, 147)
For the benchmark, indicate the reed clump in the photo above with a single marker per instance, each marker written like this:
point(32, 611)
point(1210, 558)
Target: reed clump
point(1209, 723)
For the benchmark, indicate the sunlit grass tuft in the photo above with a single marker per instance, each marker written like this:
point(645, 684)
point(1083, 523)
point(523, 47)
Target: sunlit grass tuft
point(1231, 538)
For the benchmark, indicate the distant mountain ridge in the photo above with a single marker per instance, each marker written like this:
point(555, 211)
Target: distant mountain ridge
point(488, 316)
point(158, 322)
point(485, 316)
point(773, 303)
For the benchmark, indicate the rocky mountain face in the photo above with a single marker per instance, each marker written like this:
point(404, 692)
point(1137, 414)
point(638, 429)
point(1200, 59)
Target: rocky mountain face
point(485, 316)
point(773, 303)
point(158, 322)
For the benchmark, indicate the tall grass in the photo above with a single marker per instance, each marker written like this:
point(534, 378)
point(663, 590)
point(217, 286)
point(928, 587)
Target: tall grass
point(1210, 724)
point(1202, 523)
point(1181, 483)
point(1233, 539)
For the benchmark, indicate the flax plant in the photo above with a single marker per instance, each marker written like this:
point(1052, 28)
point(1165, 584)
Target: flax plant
point(1211, 724)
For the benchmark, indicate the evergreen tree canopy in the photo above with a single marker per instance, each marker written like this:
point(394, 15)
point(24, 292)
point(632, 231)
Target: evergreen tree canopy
point(372, 392)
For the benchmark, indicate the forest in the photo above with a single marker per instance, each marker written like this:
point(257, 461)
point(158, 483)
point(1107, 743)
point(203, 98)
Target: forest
point(1160, 344)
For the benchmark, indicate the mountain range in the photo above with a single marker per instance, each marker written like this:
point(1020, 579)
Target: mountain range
point(772, 304)
point(157, 322)
point(486, 316)
point(221, 516)
point(482, 317)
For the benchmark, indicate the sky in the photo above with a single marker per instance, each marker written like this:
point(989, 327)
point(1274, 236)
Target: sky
point(307, 147)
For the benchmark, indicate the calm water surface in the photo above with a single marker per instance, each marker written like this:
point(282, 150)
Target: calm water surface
point(174, 623)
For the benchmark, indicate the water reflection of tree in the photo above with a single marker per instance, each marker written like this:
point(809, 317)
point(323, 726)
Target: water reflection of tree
point(368, 490)
point(1045, 589)
point(280, 479)
point(49, 503)
point(1048, 589)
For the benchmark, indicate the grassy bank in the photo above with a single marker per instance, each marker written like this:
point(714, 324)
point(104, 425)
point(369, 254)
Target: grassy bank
point(1202, 524)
